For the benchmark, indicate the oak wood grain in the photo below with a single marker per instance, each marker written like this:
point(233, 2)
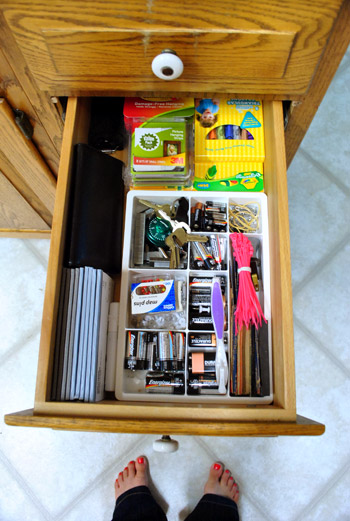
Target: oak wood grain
point(15, 212)
point(11, 89)
point(264, 47)
point(22, 185)
point(301, 427)
point(25, 234)
point(75, 131)
point(45, 110)
point(276, 188)
point(27, 163)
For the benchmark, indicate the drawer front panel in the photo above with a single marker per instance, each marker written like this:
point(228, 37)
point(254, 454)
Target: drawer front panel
point(264, 47)
point(206, 55)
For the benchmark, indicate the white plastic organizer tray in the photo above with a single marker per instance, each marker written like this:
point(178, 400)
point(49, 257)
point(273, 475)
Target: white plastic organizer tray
point(130, 384)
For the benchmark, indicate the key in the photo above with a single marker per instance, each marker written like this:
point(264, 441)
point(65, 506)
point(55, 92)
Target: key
point(182, 237)
point(162, 210)
point(174, 251)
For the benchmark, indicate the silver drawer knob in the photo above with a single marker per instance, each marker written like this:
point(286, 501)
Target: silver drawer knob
point(167, 65)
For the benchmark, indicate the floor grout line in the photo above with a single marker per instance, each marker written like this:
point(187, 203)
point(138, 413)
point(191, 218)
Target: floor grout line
point(21, 482)
point(321, 264)
point(325, 171)
point(20, 344)
point(324, 492)
point(249, 497)
point(322, 347)
point(42, 260)
point(98, 480)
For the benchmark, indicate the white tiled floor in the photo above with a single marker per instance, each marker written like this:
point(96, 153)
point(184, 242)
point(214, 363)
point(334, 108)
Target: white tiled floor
point(48, 475)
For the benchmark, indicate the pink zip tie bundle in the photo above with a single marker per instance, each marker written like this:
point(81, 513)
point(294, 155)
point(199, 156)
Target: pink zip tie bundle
point(248, 310)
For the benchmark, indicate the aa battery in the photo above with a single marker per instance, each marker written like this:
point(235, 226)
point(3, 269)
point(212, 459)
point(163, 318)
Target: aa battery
point(166, 383)
point(131, 349)
point(198, 262)
point(204, 254)
point(152, 345)
point(215, 247)
point(201, 362)
point(141, 352)
point(198, 216)
point(215, 217)
point(197, 289)
point(166, 350)
point(202, 340)
point(210, 216)
point(180, 351)
point(163, 351)
point(215, 225)
point(199, 298)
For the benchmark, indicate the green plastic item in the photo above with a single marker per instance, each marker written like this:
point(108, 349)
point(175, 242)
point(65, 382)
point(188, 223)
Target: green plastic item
point(158, 230)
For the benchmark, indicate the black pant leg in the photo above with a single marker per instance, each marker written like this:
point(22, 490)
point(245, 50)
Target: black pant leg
point(138, 504)
point(214, 508)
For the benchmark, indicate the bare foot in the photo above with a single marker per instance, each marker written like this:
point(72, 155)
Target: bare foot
point(221, 482)
point(134, 475)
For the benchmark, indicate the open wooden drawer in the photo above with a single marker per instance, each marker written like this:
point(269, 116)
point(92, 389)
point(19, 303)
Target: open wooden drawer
point(279, 418)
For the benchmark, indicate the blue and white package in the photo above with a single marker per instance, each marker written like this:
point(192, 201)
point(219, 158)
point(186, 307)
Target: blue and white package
point(153, 297)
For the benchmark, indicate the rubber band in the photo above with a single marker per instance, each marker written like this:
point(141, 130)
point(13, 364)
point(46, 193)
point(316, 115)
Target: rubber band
point(244, 218)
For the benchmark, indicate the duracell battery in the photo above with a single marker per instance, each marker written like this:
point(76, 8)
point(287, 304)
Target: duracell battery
point(166, 383)
point(202, 340)
point(214, 225)
point(131, 349)
point(199, 322)
point(198, 383)
point(215, 216)
point(201, 362)
point(198, 216)
point(199, 299)
point(217, 209)
point(216, 205)
point(203, 302)
point(196, 289)
point(192, 218)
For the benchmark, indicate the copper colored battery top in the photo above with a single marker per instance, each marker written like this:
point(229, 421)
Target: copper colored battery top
point(197, 363)
point(200, 362)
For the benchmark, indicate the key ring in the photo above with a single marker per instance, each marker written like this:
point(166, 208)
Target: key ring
point(174, 224)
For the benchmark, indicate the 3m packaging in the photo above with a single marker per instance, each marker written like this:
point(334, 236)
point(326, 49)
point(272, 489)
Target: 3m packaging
point(160, 140)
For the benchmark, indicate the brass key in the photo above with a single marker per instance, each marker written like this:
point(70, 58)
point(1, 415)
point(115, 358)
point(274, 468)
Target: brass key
point(182, 237)
point(170, 241)
point(157, 207)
